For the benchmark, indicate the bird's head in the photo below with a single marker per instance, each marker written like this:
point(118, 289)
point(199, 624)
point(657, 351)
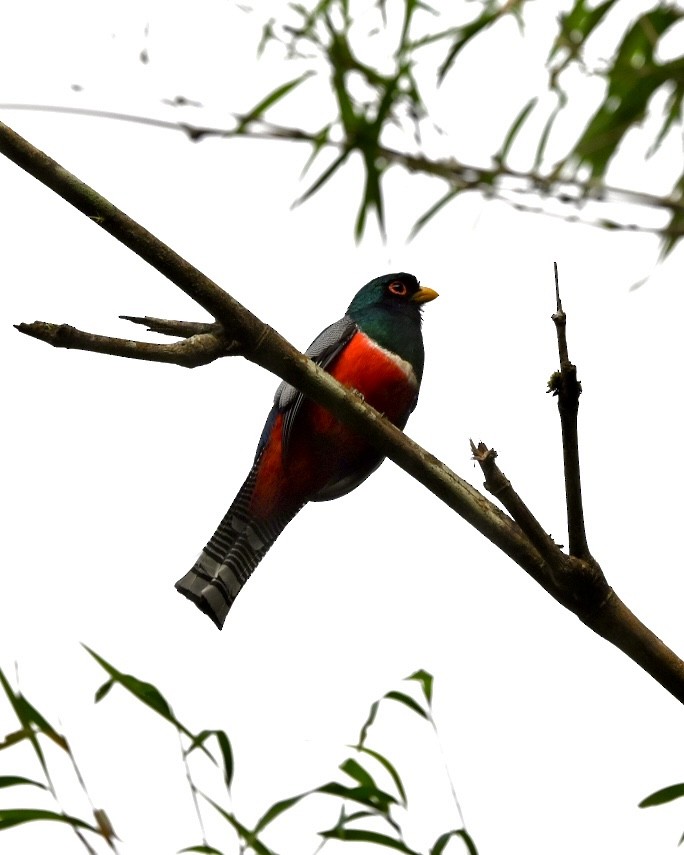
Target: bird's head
point(400, 292)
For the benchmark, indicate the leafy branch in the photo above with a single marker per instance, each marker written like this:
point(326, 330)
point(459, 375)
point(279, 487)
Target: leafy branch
point(362, 799)
point(369, 101)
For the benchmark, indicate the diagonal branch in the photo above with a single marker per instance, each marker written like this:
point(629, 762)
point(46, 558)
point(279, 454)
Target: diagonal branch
point(254, 340)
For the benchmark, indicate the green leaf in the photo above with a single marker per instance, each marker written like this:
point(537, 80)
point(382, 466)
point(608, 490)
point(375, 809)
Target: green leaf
point(22, 712)
point(389, 767)
point(423, 220)
point(277, 809)
point(224, 747)
point(408, 701)
point(205, 850)
point(377, 800)
point(363, 836)
point(358, 773)
point(426, 680)
point(249, 837)
point(272, 98)
point(577, 25)
point(19, 816)
point(661, 797)
point(443, 839)
point(31, 714)
point(502, 154)
point(144, 692)
point(103, 691)
point(463, 36)
point(328, 173)
point(16, 780)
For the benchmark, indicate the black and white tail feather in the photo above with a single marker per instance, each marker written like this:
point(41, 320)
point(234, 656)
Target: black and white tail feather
point(228, 560)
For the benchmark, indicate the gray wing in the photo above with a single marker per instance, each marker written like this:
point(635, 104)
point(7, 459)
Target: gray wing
point(322, 351)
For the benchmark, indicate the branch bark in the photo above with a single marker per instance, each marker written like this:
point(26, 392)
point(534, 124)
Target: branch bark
point(577, 585)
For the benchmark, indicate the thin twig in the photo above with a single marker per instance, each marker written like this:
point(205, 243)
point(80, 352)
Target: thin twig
point(189, 353)
point(567, 388)
point(184, 329)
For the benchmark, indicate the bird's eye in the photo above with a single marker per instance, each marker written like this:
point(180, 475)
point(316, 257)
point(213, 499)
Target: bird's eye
point(398, 288)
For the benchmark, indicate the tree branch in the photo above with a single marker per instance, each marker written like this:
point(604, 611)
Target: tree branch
point(592, 601)
point(190, 353)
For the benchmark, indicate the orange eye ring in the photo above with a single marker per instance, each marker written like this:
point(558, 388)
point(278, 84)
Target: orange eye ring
point(397, 288)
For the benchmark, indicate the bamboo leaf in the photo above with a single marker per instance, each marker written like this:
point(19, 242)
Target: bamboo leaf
point(426, 680)
point(362, 836)
point(272, 98)
point(661, 797)
point(425, 218)
point(385, 763)
point(144, 692)
point(20, 816)
point(408, 701)
point(513, 131)
point(17, 780)
point(277, 809)
point(441, 842)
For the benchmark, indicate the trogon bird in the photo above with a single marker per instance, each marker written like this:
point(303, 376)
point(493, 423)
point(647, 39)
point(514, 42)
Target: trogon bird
point(305, 454)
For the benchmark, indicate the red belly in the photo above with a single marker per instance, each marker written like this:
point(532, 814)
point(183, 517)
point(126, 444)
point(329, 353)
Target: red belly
point(320, 447)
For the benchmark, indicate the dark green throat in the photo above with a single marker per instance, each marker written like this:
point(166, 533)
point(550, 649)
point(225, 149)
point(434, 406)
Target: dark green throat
point(392, 320)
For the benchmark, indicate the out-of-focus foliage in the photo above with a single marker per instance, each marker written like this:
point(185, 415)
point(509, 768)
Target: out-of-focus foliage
point(370, 98)
point(368, 808)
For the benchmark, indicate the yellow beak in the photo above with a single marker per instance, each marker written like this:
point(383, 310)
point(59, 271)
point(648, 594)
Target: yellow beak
point(424, 295)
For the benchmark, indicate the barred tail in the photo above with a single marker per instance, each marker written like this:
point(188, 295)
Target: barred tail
point(228, 560)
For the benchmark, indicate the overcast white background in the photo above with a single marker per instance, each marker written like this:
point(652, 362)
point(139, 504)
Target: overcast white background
point(116, 472)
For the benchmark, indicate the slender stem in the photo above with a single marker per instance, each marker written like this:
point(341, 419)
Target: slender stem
point(568, 390)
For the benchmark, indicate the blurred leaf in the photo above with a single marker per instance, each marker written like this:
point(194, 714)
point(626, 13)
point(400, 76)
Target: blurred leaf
point(661, 797)
point(443, 839)
point(426, 680)
point(502, 153)
point(19, 816)
point(103, 691)
point(16, 780)
point(463, 36)
point(318, 143)
point(272, 98)
point(363, 836)
point(577, 25)
point(105, 826)
point(206, 850)
point(425, 218)
point(632, 79)
point(328, 173)
point(408, 701)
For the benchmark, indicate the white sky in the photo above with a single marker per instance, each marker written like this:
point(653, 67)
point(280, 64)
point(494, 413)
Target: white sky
point(116, 472)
